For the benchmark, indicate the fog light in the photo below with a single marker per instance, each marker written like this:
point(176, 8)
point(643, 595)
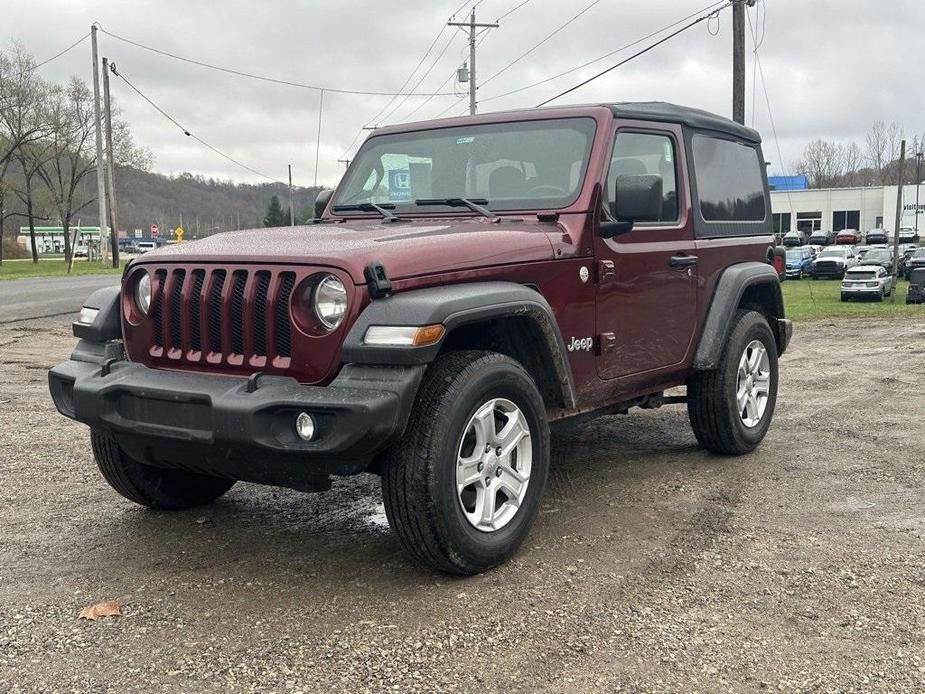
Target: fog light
point(305, 426)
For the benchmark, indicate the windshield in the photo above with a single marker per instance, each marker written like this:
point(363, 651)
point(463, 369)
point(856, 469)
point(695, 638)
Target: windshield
point(862, 275)
point(526, 165)
point(878, 254)
point(920, 253)
point(832, 253)
point(794, 255)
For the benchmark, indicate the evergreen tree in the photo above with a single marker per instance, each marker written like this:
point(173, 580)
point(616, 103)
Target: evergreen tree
point(275, 216)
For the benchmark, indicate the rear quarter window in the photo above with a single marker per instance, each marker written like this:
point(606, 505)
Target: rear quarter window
point(729, 179)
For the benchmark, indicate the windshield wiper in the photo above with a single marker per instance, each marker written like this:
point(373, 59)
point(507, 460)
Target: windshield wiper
point(474, 204)
point(370, 207)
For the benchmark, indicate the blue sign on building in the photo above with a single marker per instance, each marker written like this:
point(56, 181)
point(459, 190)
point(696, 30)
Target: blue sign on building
point(788, 182)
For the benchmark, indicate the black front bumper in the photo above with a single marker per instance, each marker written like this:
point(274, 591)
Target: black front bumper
point(223, 426)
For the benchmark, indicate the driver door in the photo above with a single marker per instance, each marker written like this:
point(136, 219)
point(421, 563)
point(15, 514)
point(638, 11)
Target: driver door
point(647, 290)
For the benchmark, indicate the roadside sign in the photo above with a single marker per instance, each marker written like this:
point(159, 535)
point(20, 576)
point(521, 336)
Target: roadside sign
point(137, 233)
point(154, 230)
point(178, 233)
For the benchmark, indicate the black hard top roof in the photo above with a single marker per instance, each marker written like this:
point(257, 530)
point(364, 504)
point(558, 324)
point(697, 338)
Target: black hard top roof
point(664, 112)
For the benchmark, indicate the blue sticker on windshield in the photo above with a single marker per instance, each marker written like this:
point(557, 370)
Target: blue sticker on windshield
point(399, 185)
point(464, 140)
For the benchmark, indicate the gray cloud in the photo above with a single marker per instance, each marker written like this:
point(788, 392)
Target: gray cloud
point(832, 68)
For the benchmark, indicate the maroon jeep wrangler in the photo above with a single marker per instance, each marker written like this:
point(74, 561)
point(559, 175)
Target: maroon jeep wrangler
point(468, 282)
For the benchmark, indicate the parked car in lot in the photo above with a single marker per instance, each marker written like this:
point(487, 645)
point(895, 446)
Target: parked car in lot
point(145, 246)
point(833, 262)
point(430, 324)
point(908, 235)
point(875, 236)
point(795, 238)
point(884, 258)
point(915, 294)
point(822, 238)
point(867, 282)
point(848, 237)
point(915, 261)
point(81, 251)
point(799, 261)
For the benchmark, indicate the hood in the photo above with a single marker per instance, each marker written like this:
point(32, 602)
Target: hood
point(406, 249)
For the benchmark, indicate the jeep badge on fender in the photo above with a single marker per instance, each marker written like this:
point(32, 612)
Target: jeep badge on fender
point(415, 326)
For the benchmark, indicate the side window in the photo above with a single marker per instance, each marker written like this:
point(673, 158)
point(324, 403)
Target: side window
point(645, 154)
point(729, 180)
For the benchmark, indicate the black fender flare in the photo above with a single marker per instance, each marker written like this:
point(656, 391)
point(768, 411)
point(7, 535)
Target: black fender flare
point(730, 288)
point(453, 306)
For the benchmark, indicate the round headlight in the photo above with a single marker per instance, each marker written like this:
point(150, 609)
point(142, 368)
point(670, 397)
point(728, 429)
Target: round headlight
point(143, 293)
point(330, 302)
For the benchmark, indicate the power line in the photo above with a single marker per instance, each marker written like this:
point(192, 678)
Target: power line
point(606, 55)
point(534, 47)
point(187, 132)
point(634, 55)
point(58, 55)
point(433, 43)
point(249, 75)
point(423, 77)
point(512, 10)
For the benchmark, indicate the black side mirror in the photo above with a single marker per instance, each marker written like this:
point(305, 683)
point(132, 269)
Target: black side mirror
point(636, 199)
point(321, 202)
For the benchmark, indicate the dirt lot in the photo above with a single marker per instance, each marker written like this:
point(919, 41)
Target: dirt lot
point(653, 566)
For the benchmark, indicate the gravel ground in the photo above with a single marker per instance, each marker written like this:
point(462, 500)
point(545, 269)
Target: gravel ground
point(653, 566)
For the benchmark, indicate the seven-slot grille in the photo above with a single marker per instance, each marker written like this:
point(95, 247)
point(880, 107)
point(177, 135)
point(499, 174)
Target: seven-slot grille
point(222, 316)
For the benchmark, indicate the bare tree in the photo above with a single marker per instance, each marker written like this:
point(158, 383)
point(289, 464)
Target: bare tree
point(851, 162)
point(21, 122)
point(21, 98)
point(877, 146)
point(823, 163)
point(31, 158)
point(70, 159)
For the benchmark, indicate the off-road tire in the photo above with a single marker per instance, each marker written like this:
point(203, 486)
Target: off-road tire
point(156, 487)
point(419, 475)
point(711, 395)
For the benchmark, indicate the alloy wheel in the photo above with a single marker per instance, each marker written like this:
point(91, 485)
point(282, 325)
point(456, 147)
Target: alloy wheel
point(493, 465)
point(753, 383)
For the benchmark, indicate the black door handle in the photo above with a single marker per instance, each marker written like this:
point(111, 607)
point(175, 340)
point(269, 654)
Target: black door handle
point(683, 260)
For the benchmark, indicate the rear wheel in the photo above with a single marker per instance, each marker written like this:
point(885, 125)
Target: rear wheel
point(463, 486)
point(730, 407)
point(147, 485)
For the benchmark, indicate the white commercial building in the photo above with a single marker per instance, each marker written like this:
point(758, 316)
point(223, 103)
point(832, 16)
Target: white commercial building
point(834, 209)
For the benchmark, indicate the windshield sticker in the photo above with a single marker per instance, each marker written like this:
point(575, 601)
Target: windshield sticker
point(399, 185)
point(465, 140)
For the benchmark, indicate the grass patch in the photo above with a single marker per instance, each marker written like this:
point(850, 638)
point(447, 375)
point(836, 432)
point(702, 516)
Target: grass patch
point(52, 267)
point(813, 300)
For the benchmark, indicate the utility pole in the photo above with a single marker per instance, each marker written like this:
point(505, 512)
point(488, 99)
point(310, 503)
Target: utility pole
point(899, 215)
point(345, 162)
point(110, 178)
point(918, 184)
point(291, 211)
point(100, 171)
point(472, 25)
point(318, 139)
point(738, 58)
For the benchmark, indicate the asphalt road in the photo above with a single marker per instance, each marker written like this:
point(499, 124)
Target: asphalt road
point(48, 297)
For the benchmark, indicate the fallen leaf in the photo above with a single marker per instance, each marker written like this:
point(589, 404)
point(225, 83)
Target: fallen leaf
point(107, 608)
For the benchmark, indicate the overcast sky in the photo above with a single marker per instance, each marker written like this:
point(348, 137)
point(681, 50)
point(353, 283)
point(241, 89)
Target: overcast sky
point(832, 66)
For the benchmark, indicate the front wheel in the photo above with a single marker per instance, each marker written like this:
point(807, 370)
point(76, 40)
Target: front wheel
point(730, 407)
point(463, 486)
point(147, 485)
